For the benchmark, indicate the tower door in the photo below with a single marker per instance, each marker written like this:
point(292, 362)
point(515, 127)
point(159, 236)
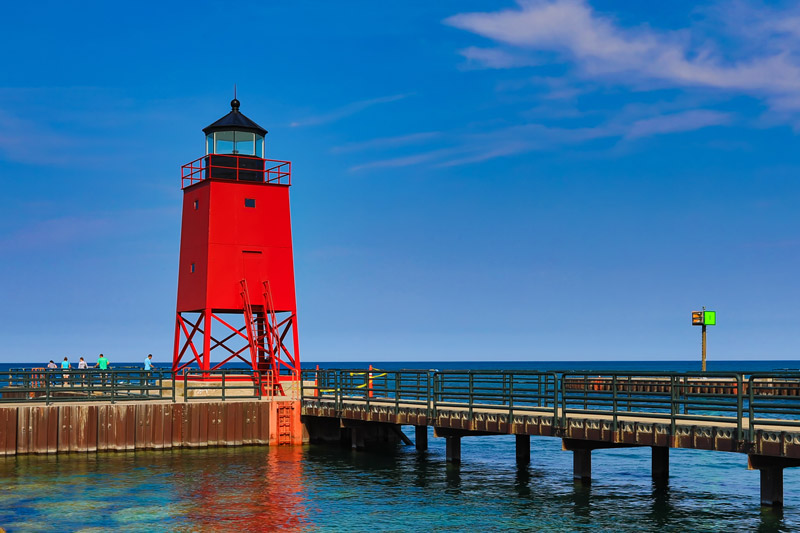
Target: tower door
point(253, 270)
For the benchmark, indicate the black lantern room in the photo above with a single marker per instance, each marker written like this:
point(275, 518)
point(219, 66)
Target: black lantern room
point(235, 147)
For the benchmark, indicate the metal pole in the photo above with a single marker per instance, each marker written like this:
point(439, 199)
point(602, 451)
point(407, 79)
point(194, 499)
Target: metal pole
point(704, 347)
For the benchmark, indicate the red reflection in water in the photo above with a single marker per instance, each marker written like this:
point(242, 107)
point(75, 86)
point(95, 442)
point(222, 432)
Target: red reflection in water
point(264, 496)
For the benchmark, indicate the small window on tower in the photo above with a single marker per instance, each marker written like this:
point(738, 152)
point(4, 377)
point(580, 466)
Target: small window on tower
point(192, 267)
point(196, 204)
point(249, 202)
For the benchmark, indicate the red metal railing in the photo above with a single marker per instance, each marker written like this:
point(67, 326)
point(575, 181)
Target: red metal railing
point(237, 168)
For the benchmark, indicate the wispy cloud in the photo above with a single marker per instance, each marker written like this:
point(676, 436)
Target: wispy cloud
point(346, 111)
point(628, 126)
point(677, 122)
point(496, 58)
point(386, 142)
point(601, 49)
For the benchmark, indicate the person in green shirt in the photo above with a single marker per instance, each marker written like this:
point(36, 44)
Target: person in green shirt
point(102, 364)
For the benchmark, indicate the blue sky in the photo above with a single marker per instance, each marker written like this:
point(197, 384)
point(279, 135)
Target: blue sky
point(543, 180)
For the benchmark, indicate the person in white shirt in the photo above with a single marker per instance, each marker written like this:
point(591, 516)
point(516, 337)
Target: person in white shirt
point(83, 365)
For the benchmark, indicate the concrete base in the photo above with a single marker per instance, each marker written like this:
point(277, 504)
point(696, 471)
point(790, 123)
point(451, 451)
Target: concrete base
point(453, 450)
point(421, 438)
point(523, 449)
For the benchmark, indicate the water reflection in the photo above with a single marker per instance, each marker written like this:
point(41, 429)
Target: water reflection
point(328, 488)
point(662, 507)
point(581, 498)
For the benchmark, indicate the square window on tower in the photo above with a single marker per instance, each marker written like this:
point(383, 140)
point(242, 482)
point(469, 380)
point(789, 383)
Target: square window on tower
point(249, 202)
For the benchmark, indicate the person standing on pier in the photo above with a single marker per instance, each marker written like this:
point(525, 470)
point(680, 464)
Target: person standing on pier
point(82, 365)
point(102, 364)
point(65, 366)
point(148, 367)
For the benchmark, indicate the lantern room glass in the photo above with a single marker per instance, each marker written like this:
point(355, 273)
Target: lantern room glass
point(235, 142)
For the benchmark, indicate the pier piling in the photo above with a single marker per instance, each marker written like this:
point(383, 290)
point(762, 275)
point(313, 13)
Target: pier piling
point(523, 449)
point(660, 462)
point(421, 438)
point(771, 470)
point(453, 450)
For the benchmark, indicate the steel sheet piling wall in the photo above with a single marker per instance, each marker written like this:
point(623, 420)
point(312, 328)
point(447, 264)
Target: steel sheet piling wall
point(124, 427)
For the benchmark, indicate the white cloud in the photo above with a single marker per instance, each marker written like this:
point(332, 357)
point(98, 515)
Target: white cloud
point(601, 49)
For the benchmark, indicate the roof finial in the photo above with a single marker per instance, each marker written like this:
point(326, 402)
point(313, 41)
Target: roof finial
point(234, 102)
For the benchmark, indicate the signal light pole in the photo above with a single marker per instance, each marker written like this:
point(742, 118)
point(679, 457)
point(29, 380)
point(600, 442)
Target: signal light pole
point(704, 318)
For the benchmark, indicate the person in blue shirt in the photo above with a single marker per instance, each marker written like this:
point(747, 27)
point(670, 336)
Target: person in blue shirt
point(65, 366)
point(148, 367)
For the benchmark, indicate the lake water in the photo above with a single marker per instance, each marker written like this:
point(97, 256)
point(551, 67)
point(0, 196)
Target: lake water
point(323, 488)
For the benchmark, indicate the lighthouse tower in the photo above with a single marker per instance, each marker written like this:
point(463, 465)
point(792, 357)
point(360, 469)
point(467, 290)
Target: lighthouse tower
point(236, 296)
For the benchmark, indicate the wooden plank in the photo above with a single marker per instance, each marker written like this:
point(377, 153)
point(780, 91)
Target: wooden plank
point(192, 419)
point(8, 430)
point(166, 439)
point(75, 428)
point(24, 430)
point(230, 425)
point(263, 422)
point(89, 433)
point(202, 437)
point(157, 440)
point(177, 425)
point(51, 419)
point(64, 427)
point(238, 418)
point(39, 425)
point(103, 428)
point(140, 414)
point(247, 423)
point(213, 424)
point(130, 427)
point(118, 426)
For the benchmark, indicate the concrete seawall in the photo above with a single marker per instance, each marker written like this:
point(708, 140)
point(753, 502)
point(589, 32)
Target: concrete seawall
point(90, 427)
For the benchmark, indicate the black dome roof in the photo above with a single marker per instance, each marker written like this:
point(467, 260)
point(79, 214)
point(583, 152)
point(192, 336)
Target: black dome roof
point(235, 120)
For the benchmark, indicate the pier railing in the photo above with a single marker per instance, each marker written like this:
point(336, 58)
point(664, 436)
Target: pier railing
point(129, 384)
point(61, 385)
point(745, 401)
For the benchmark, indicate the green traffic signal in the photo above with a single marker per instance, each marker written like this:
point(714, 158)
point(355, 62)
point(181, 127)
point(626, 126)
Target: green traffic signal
point(710, 318)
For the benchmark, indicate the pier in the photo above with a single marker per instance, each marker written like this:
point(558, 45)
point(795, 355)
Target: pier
point(753, 414)
point(46, 412)
point(757, 414)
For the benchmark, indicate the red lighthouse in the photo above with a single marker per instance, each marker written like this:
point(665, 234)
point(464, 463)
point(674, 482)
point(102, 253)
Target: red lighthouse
point(236, 296)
